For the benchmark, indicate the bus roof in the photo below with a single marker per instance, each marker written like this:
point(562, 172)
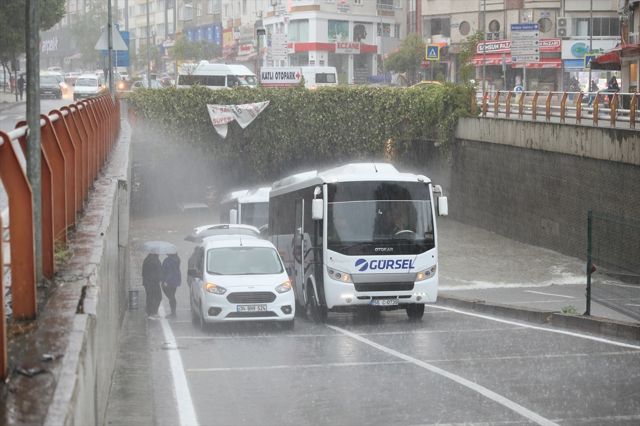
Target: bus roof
point(240, 69)
point(347, 173)
point(257, 195)
point(234, 195)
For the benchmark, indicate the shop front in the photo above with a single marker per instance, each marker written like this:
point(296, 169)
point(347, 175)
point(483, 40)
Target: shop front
point(573, 59)
point(501, 73)
point(354, 62)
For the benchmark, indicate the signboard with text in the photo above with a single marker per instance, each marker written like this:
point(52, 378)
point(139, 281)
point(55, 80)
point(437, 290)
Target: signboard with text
point(525, 43)
point(348, 48)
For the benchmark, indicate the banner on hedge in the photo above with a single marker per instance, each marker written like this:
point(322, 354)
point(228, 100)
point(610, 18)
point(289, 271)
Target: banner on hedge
point(222, 115)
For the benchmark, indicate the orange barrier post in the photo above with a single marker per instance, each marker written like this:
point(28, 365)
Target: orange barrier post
point(76, 141)
point(547, 107)
point(3, 324)
point(563, 107)
point(596, 109)
point(56, 161)
point(521, 105)
point(633, 106)
point(23, 270)
point(613, 108)
point(508, 104)
point(496, 104)
point(534, 106)
point(579, 107)
point(70, 156)
point(485, 102)
point(83, 125)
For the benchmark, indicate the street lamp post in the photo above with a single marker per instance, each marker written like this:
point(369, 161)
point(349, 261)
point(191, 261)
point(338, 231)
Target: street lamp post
point(484, 46)
point(590, 40)
point(148, 50)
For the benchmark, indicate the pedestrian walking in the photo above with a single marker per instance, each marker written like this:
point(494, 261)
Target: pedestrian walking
point(593, 92)
point(171, 280)
point(21, 85)
point(151, 277)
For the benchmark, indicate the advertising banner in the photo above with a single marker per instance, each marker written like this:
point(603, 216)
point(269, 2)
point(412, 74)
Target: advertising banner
point(222, 115)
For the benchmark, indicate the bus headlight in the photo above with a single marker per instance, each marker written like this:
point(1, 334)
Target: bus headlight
point(426, 274)
point(339, 276)
point(284, 287)
point(214, 289)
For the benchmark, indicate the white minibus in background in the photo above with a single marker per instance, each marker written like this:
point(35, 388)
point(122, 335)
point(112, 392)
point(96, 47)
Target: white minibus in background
point(214, 76)
point(363, 234)
point(248, 207)
point(314, 77)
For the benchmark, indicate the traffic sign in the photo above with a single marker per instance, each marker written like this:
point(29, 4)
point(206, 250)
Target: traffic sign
point(525, 58)
point(433, 52)
point(525, 43)
point(588, 59)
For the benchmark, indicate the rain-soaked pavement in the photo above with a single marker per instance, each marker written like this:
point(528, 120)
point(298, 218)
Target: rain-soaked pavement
point(453, 367)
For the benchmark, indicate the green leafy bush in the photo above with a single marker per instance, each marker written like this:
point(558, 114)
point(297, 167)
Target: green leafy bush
point(304, 128)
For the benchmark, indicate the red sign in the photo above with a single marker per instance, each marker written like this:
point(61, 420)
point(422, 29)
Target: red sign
point(348, 48)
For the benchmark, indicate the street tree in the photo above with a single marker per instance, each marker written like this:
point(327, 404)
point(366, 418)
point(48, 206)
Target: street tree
point(467, 50)
point(408, 58)
point(86, 32)
point(12, 25)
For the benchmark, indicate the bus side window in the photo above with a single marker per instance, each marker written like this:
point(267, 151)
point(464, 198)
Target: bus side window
point(216, 80)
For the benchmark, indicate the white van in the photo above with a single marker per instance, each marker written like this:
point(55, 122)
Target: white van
point(215, 76)
point(291, 76)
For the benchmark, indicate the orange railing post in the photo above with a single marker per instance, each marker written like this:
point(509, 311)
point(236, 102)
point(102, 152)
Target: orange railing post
point(633, 106)
point(23, 270)
point(534, 106)
point(69, 152)
point(496, 104)
point(613, 108)
point(508, 104)
point(485, 101)
point(3, 324)
point(579, 107)
point(76, 141)
point(563, 107)
point(596, 109)
point(547, 106)
point(521, 105)
point(56, 160)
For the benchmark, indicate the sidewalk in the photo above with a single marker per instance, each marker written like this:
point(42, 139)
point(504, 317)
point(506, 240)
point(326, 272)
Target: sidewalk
point(8, 100)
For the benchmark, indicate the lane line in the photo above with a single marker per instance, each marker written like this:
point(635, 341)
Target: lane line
point(619, 285)
point(293, 366)
point(632, 304)
point(505, 402)
point(548, 294)
point(535, 327)
point(186, 411)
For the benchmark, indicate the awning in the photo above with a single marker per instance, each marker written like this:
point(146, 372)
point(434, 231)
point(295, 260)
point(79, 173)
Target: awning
point(491, 59)
point(607, 61)
point(544, 63)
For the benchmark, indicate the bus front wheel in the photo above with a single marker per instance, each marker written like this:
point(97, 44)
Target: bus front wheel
point(313, 308)
point(415, 311)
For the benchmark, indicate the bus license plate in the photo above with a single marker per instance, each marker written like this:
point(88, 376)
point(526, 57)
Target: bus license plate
point(384, 302)
point(252, 308)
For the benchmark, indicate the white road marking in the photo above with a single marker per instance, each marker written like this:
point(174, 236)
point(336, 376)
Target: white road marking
point(186, 412)
point(617, 285)
point(632, 304)
point(524, 412)
point(292, 366)
point(535, 327)
point(549, 294)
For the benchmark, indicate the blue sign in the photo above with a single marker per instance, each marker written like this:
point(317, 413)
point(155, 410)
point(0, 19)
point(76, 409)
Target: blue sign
point(588, 59)
point(120, 57)
point(525, 27)
point(208, 33)
point(433, 52)
point(383, 264)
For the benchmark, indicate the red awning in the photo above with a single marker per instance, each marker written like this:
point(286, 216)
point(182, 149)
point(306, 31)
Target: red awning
point(607, 61)
point(491, 59)
point(544, 63)
point(630, 50)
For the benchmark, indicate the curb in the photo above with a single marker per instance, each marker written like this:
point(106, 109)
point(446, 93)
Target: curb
point(595, 325)
point(9, 105)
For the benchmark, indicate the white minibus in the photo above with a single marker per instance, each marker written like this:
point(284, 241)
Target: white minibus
point(359, 235)
point(248, 207)
point(215, 76)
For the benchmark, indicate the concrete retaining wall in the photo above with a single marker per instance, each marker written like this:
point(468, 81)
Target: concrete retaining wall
point(535, 182)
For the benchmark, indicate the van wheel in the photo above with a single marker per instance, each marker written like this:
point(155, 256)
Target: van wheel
point(314, 310)
point(415, 311)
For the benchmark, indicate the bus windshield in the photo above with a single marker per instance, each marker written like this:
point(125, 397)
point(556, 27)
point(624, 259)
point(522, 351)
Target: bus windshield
point(379, 218)
point(256, 214)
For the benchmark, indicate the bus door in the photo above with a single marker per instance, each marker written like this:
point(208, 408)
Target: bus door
point(298, 250)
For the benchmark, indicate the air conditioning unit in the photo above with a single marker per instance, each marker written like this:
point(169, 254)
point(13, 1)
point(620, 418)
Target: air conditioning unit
point(634, 38)
point(563, 27)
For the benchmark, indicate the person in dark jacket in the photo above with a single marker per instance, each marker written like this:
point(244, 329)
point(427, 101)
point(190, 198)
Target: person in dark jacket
point(21, 84)
point(171, 280)
point(151, 277)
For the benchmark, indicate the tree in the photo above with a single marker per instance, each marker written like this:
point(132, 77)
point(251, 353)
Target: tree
point(408, 58)
point(185, 50)
point(12, 24)
point(86, 32)
point(467, 68)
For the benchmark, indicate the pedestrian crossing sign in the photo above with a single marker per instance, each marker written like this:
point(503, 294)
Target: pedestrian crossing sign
point(588, 59)
point(433, 52)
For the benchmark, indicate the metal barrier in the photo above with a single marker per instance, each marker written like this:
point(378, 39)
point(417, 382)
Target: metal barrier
point(615, 109)
point(76, 141)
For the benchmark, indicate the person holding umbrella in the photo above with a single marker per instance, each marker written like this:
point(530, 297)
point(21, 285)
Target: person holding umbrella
point(151, 277)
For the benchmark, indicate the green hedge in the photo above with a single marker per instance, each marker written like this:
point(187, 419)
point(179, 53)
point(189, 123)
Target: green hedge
point(305, 128)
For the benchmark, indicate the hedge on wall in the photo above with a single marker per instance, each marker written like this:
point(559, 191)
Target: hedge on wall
point(305, 127)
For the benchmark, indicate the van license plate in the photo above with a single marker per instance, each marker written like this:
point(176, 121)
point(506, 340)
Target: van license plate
point(252, 308)
point(384, 302)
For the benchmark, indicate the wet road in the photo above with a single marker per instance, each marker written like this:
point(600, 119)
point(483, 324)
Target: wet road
point(10, 116)
point(451, 368)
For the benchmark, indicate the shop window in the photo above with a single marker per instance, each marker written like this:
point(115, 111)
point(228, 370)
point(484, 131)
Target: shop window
point(464, 28)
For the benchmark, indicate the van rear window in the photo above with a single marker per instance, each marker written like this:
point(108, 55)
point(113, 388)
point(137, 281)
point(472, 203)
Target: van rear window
point(202, 80)
point(324, 77)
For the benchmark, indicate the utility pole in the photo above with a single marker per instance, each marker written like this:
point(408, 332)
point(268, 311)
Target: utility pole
point(33, 121)
point(110, 46)
point(484, 45)
point(590, 39)
point(148, 51)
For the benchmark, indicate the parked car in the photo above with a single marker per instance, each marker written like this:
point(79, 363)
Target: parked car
point(239, 278)
point(87, 86)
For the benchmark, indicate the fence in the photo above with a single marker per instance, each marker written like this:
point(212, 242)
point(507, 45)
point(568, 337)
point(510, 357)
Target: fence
point(613, 263)
point(602, 108)
point(76, 140)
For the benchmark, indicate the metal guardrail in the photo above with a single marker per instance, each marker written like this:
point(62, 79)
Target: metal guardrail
point(619, 110)
point(76, 141)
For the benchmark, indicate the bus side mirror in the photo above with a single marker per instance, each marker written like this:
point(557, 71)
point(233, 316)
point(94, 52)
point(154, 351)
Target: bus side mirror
point(233, 216)
point(443, 206)
point(317, 212)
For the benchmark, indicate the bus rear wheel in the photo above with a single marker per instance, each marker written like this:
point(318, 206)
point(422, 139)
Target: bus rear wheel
point(415, 311)
point(314, 310)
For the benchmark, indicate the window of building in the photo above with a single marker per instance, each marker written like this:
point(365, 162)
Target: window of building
point(396, 31)
point(384, 30)
point(338, 30)
point(298, 30)
point(545, 25)
point(464, 28)
point(436, 26)
point(385, 4)
point(602, 26)
point(357, 2)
